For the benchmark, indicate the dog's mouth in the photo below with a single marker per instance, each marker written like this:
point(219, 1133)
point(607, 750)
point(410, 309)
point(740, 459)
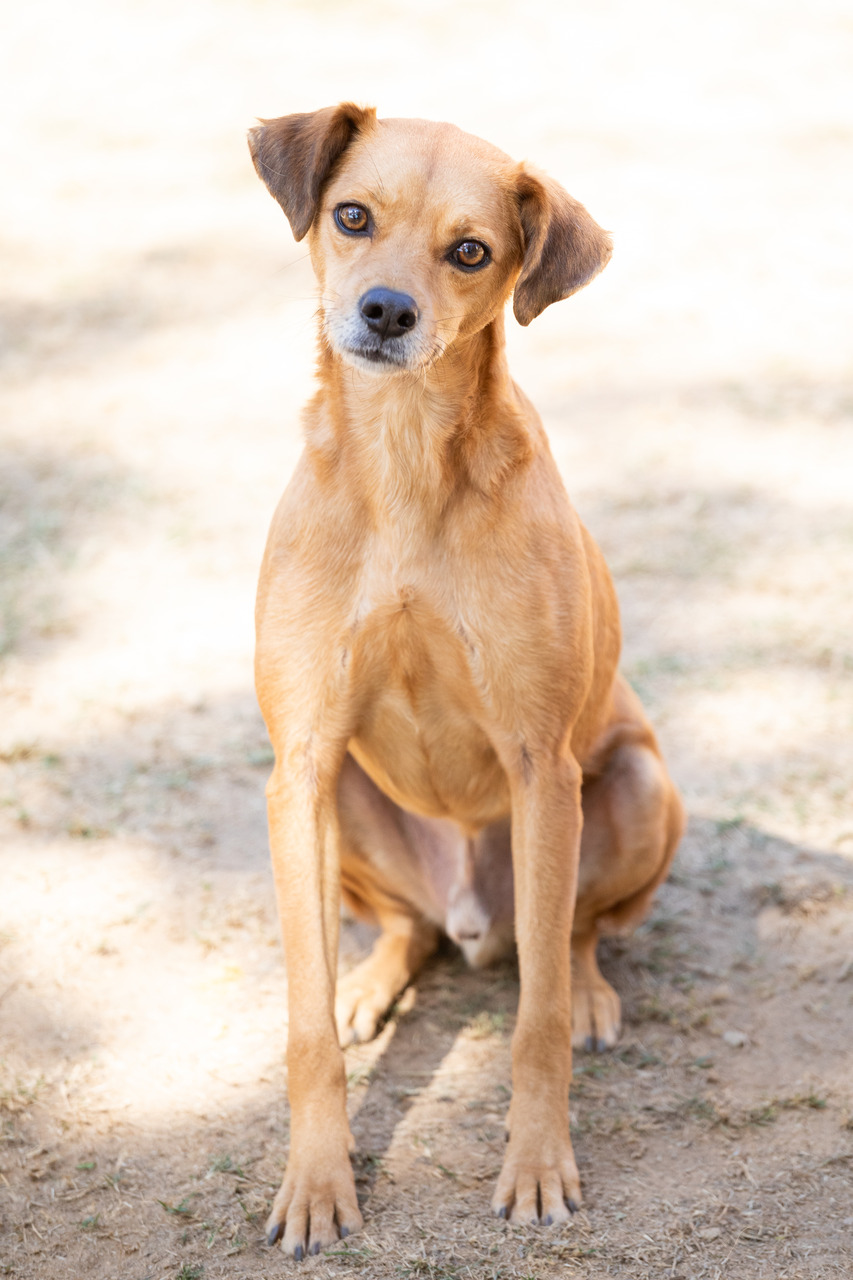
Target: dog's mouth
point(379, 358)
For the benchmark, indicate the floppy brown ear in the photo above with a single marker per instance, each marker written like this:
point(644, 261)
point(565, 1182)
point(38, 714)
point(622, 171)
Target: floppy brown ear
point(295, 155)
point(563, 246)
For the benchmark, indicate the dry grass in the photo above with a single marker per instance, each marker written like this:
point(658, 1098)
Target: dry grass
point(156, 345)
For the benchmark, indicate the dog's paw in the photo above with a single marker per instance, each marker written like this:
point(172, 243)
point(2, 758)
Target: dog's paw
point(313, 1209)
point(539, 1181)
point(596, 1015)
point(363, 1000)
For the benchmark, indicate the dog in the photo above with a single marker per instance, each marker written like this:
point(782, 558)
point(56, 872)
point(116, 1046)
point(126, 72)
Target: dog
point(437, 646)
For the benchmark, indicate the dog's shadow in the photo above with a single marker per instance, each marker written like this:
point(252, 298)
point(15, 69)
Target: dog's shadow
point(450, 999)
point(709, 923)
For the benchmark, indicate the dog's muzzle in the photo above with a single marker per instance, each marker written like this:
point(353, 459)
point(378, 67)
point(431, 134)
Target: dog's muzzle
point(382, 332)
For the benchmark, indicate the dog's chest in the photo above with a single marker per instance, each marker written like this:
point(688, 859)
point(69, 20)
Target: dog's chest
point(421, 706)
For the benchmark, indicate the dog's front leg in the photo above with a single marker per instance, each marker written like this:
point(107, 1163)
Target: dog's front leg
point(317, 1198)
point(539, 1179)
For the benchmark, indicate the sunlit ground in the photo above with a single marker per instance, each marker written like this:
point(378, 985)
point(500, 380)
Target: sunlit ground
point(157, 342)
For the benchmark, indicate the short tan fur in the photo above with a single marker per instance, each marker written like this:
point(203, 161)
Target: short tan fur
point(437, 646)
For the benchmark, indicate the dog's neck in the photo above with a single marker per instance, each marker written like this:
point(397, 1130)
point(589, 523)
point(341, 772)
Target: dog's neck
point(413, 440)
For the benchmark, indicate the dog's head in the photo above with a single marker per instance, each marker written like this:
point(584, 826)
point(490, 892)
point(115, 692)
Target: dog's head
point(419, 232)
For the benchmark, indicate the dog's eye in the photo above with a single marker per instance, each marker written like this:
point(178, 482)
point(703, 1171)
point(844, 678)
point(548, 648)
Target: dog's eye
point(352, 218)
point(470, 254)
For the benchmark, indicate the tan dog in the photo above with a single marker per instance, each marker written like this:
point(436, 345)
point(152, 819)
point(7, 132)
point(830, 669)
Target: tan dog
point(438, 639)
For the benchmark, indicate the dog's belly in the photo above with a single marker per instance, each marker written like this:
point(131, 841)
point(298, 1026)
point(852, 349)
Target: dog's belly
point(418, 737)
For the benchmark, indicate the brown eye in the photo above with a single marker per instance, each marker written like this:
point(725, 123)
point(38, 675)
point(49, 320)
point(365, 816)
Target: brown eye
point(351, 218)
point(470, 254)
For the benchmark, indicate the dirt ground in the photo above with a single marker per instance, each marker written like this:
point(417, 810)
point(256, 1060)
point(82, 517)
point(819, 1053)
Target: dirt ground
point(156, 328)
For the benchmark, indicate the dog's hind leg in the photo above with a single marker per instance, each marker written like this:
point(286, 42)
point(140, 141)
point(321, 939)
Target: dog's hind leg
point(633, 820)
point(366, 994)
point(382, 882)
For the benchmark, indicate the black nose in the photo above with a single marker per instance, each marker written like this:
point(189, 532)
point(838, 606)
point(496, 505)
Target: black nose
point(388, 313)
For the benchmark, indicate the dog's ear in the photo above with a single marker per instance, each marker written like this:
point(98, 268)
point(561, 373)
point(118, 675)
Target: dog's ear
point(563, 246)
point(295, 155)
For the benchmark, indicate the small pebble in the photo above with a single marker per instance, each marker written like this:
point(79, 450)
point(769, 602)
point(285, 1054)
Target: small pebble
point(736, 1039)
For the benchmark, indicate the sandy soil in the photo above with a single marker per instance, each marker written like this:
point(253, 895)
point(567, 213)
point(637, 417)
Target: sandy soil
point(156, 326)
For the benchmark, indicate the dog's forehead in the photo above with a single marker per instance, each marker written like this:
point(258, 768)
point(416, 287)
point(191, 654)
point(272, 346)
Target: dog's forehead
point(419, 162)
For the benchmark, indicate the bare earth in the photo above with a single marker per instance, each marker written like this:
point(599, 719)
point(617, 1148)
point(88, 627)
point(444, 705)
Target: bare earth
point(156, 328)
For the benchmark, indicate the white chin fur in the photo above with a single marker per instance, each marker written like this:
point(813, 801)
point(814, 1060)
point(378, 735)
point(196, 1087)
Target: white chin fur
point(379, 368)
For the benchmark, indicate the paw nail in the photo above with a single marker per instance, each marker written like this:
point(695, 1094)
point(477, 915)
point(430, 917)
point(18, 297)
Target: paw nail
point(573, 1206)
point(589, 1044)
point(344, 1232)
point(315, 1248)
point(274, 1234)
point(299, 1253)
point(502, 1211)
point(601, 1046)
point(546, 1222)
